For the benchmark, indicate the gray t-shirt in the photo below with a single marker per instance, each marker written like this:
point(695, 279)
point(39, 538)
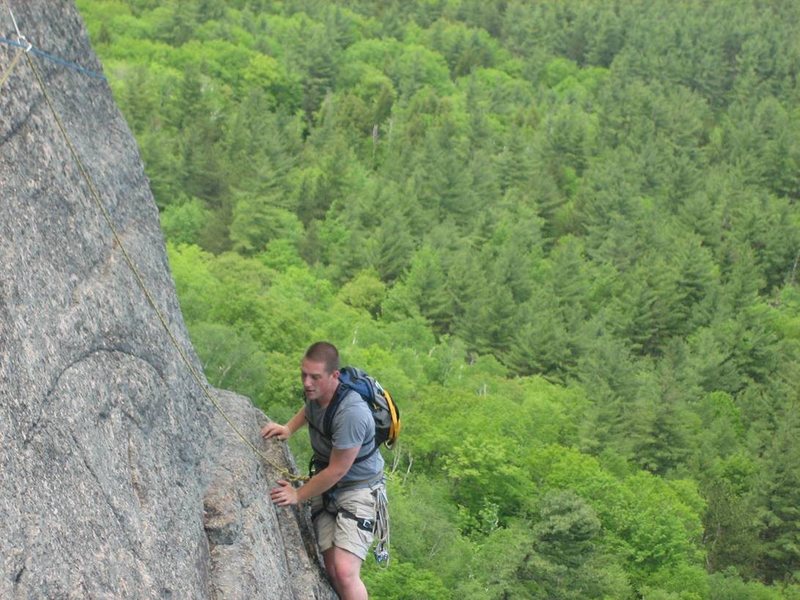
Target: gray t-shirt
point(353, 425)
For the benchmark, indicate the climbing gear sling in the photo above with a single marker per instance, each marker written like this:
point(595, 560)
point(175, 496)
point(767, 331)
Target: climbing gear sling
point(378, 526)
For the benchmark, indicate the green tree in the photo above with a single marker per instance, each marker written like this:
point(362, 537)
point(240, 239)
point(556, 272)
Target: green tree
point(255, 223)
point(540, 342)
point(365, 290)
point(198, 289)
point(778, 502)
point(426, 283)
point(463, 193)
point(567, 563)
point(183, 223)
point(232, 360)
point(731, 523)
point(404, 581)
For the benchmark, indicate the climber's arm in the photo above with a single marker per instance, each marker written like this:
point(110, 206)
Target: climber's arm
point(340, 463)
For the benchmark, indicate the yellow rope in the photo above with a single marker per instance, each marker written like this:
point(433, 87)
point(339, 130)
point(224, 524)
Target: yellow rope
point(140, 280)
point(10, 68)
point(19, 54)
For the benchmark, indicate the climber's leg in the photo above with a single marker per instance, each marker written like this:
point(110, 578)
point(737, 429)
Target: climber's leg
point(344, 569)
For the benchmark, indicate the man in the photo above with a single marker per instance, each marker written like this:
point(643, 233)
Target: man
point(348, 471)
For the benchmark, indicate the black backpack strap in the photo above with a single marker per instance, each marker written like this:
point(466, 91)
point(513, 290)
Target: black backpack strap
point(330, 412)
point(363, 524)
point(315, 428)
point(327, 500)
point(368, 454)
point(316, 464)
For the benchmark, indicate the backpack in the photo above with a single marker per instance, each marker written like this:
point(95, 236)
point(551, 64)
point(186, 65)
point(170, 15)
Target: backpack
point(380, 401)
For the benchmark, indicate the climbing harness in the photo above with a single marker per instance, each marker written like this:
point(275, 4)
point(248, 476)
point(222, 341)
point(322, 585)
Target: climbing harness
point(329, 500)
point(199, 379)
point(378, 526)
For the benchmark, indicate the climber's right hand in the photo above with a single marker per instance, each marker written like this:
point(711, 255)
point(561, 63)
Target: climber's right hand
point(277, 430)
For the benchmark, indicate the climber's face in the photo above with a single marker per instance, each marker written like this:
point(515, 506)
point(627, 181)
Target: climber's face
point(318, 384)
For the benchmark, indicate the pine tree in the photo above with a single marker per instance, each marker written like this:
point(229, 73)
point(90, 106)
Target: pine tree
point(779, 501)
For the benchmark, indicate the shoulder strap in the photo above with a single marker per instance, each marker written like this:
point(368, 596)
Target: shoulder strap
point(371, 452)
point(330, 411)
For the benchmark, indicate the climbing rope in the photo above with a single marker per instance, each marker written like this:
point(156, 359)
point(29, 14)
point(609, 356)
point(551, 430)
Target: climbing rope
point(199, 379)
point(10, 68)
point(21, 43)
point(28, 47)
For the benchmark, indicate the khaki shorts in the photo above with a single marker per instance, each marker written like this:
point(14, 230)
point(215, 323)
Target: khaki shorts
point(340, 530)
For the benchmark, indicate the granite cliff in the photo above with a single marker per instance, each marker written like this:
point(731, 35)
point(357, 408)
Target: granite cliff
point(118, 476)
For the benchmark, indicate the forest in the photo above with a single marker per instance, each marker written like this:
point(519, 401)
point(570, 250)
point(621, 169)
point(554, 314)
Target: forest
point(563, 233)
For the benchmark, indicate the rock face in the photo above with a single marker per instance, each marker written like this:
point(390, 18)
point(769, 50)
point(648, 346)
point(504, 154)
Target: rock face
point(118, 477)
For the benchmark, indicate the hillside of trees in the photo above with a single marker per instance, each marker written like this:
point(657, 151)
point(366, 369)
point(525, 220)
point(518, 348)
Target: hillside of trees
point(565, 235)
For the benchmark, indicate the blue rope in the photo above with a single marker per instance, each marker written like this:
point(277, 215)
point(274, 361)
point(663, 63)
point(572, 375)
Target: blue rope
point(55, 59)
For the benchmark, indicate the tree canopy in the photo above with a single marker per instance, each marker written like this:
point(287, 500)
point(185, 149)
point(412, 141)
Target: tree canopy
point(564, 234)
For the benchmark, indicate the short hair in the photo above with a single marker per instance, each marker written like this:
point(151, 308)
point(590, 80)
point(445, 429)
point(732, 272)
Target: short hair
point(324, 352)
